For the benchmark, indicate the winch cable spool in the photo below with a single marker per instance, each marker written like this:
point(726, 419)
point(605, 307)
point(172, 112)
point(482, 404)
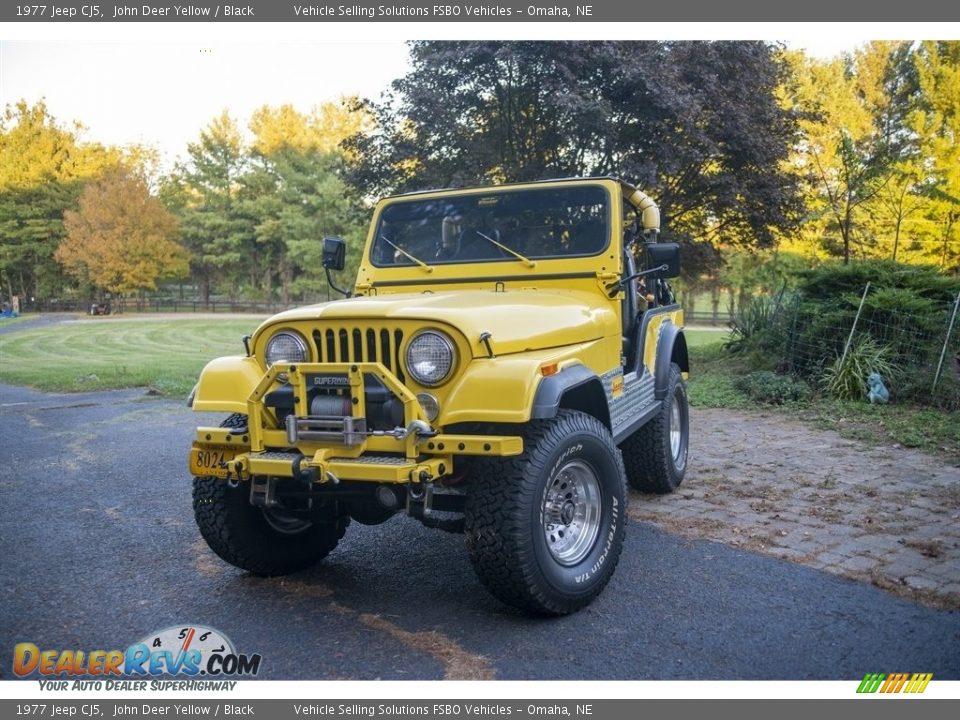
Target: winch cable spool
point(330, 406)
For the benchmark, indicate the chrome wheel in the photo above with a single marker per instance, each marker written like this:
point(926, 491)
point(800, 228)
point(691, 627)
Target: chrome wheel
point(571, 513)
point(285, 524)
point(676, 429)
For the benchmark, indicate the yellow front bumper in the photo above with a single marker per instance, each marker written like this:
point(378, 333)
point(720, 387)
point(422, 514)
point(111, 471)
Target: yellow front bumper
point(382, 458)
point(218, 453)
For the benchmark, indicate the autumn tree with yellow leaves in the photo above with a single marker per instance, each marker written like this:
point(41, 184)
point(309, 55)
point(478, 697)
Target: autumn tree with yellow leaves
point(44, 165)
point(880, 153)
point(121, 238)
point(936, 124)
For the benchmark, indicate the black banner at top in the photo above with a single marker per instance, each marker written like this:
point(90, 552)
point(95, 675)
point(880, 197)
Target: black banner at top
point(495, 11)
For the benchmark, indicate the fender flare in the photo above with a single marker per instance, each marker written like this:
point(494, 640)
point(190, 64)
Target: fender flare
point(550, 391)
point(671, 346)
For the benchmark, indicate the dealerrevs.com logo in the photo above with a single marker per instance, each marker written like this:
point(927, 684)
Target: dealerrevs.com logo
point(192, 651)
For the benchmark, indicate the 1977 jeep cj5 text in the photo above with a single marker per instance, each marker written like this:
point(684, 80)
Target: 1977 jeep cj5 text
point(500, 368)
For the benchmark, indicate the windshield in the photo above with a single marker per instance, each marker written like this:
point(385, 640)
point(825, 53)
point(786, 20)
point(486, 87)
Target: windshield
point(510, 226)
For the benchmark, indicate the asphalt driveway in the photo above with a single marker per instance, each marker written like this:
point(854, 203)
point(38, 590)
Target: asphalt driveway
point(99, 549)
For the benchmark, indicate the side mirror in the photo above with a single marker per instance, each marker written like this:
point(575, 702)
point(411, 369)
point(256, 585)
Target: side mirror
point(664, 254)
point(334, 253)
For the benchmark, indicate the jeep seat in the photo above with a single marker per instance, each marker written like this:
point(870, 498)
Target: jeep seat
point(474, 247)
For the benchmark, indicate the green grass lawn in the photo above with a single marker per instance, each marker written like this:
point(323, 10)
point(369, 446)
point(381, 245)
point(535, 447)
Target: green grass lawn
point(167, 355)
point(700, 338)
point(163, 354)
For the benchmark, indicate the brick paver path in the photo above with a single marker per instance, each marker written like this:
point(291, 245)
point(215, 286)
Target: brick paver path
point(766, 483)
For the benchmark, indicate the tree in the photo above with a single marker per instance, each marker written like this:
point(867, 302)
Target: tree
point(43, 168)
point(120, 238)
point(322, 130)
point(858, 174)
point(202, 194)
point(900, 199)
point(936, 122)
point(293, 195)
point(697, 123)
point(870, 181)
point(847, 146)
point(316, 202)
point(254, 215)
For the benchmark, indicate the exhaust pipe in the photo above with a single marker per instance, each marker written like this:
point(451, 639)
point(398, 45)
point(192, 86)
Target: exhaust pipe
point(649, 212)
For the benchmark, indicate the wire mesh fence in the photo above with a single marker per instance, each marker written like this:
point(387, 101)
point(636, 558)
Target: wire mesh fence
point(912, 342)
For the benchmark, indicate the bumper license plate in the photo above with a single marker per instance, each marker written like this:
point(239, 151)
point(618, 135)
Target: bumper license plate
point(207, 460)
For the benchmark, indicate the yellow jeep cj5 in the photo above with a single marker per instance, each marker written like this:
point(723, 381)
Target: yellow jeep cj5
point(509, 359)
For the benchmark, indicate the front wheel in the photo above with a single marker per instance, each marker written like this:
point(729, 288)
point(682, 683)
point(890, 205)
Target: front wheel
point(262, 541)
point(545, 529)
point(655, 456)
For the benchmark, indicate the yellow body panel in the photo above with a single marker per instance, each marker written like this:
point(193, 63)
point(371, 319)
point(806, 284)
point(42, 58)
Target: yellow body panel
point(516, 379)
point(562, 317)
point(651, 346)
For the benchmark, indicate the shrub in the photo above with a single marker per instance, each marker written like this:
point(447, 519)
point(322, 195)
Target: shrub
point(754, 326)
point(769, 387)
point(919, 385)
point(905, 313)
point(833, 279)
point(846, 378)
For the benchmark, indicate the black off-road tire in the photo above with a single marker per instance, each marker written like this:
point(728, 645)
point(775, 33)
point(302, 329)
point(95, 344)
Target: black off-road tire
point(648, 455)
point(242, 535)
point(507, 516)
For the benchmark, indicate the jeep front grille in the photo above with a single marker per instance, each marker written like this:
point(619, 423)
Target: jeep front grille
point(353, 344)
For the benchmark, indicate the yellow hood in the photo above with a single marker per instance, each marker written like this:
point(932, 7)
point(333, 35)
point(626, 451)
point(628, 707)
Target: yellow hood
point(517, 320)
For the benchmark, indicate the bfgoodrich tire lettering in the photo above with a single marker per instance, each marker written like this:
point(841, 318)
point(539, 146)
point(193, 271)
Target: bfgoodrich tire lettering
point(656, 455)
point(514, 501)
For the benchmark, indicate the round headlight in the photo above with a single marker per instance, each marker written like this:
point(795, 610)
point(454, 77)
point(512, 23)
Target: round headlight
point(430, 357)
point(285, 347)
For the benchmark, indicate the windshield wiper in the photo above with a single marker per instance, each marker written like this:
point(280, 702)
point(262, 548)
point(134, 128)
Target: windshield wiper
point(421, 263)
point(527, 261)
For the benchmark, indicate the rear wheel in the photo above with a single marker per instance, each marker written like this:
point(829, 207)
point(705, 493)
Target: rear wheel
point(545, 529)
point(656, 455)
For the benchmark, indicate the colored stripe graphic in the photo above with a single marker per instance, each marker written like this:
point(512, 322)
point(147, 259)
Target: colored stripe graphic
point(918, 683)
point(894, 683)
point(870, 682)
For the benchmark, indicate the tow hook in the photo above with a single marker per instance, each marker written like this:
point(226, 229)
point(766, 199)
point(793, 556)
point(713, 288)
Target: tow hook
point(418, 428)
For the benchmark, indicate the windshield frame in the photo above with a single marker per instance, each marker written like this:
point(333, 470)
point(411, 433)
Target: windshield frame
point(609, 222)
